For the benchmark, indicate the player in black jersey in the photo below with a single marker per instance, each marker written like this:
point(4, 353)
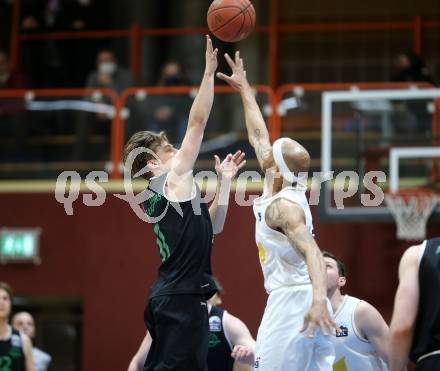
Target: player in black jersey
point(415, 326)
point(15, 347)
point(231, 347)
point(184, 229)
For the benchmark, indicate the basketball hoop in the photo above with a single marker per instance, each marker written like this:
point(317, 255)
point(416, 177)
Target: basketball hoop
point(411, 209)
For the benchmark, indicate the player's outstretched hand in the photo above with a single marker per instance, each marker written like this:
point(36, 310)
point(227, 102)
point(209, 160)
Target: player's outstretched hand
point(318, 318)
point(238, 78)
point(211, 57)
point(230, 165)
point(243, 354)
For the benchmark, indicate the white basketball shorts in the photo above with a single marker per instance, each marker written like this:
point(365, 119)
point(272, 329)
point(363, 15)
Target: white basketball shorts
point(280, 345)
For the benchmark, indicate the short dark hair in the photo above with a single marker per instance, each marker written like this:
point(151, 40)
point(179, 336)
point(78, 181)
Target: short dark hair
point(145, 139)
point(8, 289)
point(341, 266)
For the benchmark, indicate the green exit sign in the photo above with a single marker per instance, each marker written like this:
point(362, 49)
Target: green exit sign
point(20, 245)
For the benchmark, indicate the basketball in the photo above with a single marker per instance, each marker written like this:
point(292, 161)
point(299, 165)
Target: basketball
point(231, 20)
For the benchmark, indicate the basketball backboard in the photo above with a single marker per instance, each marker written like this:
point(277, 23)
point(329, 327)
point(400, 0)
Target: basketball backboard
point(395, 132)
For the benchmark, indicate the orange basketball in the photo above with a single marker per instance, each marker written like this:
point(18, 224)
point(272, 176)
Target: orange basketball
point(231, 20)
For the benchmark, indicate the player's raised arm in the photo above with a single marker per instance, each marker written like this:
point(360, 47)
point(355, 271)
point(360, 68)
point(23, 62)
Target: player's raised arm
point(184, 160)
point(256, 127)
point(405, 310)
point(288, 217)
point(226, 171)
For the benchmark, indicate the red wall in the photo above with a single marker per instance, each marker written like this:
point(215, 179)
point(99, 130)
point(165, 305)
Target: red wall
point(108, 257)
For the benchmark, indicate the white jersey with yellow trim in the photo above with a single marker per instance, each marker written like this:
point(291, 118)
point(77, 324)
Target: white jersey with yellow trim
point(353, 352)
point(282, 264)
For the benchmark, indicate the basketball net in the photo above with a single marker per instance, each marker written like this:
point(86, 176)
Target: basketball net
point(411, 211)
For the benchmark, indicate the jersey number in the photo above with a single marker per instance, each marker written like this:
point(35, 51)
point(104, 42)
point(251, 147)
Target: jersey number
point(261, 253)
point(340, 365)
point(5, 363)
point(163, 247)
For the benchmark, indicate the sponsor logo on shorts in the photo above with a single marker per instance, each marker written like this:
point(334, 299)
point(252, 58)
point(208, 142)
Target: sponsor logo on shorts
point(342, 332)
point(215, 324)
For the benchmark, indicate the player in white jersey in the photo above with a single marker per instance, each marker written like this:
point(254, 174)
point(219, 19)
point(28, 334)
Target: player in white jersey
point(361, 340)
point(294, 334)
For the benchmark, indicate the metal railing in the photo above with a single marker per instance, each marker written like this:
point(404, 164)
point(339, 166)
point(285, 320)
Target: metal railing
point(136, 33)
point(274, 102)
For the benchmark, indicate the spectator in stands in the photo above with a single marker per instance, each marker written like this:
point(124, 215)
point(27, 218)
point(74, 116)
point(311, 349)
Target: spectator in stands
point(171, 110)
point(24, 322)
point(12, 123)
point(410, 67)
point(411, 116)
point(171, 74)
point(15, 347)
point(109, 74)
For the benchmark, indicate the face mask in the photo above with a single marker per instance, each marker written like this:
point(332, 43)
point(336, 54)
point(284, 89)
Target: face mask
point(172, 80)
point(107, 68)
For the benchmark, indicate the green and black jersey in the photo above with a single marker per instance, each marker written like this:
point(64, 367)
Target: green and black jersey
point(184, 237)
point(11, 353)
point(426, 340)
point(219, 347)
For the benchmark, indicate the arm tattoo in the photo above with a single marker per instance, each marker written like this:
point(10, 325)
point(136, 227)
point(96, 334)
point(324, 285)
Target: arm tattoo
point(304, 237)
point(299, 240)
point(257, 133)
point(258, 149)
point(274, 213)
point(261, 149)
point(275, 217)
